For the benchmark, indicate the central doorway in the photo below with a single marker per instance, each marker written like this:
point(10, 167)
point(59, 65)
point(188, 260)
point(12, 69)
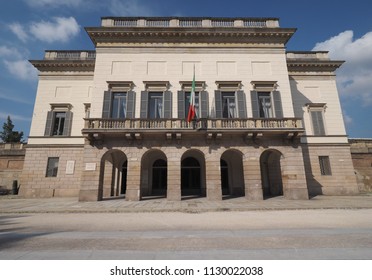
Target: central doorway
point(190, 177)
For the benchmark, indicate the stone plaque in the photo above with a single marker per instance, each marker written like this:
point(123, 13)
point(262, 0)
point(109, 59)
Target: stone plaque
point(70, 167)
point(90, 166)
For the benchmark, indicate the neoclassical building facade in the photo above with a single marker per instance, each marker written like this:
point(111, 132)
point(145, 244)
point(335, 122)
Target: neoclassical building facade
point(112, 122)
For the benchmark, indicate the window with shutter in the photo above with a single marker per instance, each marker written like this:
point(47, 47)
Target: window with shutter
point(58, 123)
point(317, 121)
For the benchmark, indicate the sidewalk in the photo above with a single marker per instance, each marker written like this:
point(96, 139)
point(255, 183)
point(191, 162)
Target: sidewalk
point(16, 205)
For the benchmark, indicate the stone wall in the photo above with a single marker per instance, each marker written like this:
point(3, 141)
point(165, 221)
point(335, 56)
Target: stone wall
point(11, 163)
point(35, 183)
point(361, 154)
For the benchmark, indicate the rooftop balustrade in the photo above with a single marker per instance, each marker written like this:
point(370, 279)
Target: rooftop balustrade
point(190, 22)
point(70, 55)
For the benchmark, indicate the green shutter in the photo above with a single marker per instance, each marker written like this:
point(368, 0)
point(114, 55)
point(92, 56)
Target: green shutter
point(131, 103)
point(242, 111)
point(167, 105)
point(68, 124)
point(255, 106)
point(203, 106)
point(278, 105)
point(218, 103)
point(107, 101)
point(49, 124)
point(181, 104)
point(144, 104)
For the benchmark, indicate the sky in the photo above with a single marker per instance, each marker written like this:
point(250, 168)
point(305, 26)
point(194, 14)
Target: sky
point(29, 27)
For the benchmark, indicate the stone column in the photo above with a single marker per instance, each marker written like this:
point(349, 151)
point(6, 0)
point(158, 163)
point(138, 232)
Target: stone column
point(213, 179)
point(133, 191)
point(252, 178)
point(174, 179)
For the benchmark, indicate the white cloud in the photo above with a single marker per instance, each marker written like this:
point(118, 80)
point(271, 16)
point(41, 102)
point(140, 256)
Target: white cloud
point(14, 98)
point(21, 69)
point(7, 52)
point(19, 31)
point(129, 8)
point(53, 3)
point(61, 29)
point(14, 117)
point(354, 76)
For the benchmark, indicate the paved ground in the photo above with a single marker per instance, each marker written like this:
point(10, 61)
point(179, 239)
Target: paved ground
point(14, 204)
point(321, 228)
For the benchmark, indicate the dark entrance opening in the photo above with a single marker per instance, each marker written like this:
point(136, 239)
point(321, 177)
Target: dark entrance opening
point(190, 177)
point(159, 177)
point(224, 177)
point(124, 169)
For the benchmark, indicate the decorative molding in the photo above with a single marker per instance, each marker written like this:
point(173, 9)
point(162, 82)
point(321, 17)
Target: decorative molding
point(313, 66)
point(60, 106)
point(187, 85)
point(156, 85)
point(310, 106)
point(120, 85)
point(166, 35)
point(264, 85)
point(229, 85)
point(64, 65)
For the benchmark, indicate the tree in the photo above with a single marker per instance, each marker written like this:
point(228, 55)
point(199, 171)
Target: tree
point(8, 135)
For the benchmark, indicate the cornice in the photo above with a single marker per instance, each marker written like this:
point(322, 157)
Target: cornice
point(187, 35)
point(314, 65)
point(64, 65)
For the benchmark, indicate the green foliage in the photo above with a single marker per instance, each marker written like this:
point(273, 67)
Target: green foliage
point(8, 135)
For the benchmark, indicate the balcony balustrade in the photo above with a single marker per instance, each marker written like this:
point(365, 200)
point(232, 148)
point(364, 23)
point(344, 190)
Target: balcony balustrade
point(93, 125)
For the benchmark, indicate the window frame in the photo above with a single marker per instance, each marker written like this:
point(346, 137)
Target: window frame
point(64, 127)
point(325, 166)
point(119, 94)
point(320, 128)
point(261, 109)
point(52, 171)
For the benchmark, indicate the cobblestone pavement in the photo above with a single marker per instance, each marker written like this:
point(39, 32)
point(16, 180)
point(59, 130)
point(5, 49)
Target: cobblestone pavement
point(15, 204)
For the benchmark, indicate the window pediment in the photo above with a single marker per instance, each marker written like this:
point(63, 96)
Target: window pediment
point(156, 85)
point(316, 106)
point(229, 85)
point(120, 85)
point(264, 85)
point(60, 106)
point(187, 85)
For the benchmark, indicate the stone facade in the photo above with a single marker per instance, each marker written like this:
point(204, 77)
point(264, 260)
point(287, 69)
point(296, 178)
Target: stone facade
point(361, 154)
point(112, 122)
point(11, 164)
point(65, 184)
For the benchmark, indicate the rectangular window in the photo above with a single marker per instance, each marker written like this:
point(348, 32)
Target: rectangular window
point(318, 122)
point(325, 167)
point(59, 123)
point(228, 105)
point(265, 105)
point(155, 110)
point(52, 167)
point(119, 105)
point(187, 103)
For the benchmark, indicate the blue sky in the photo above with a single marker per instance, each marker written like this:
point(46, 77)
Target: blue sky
point(28, 27)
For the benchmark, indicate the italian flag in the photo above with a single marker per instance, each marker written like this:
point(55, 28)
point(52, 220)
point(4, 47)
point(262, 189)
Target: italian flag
point(191, 114)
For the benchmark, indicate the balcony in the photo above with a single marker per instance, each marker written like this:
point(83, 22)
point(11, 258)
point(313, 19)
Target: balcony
point(136, 128)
